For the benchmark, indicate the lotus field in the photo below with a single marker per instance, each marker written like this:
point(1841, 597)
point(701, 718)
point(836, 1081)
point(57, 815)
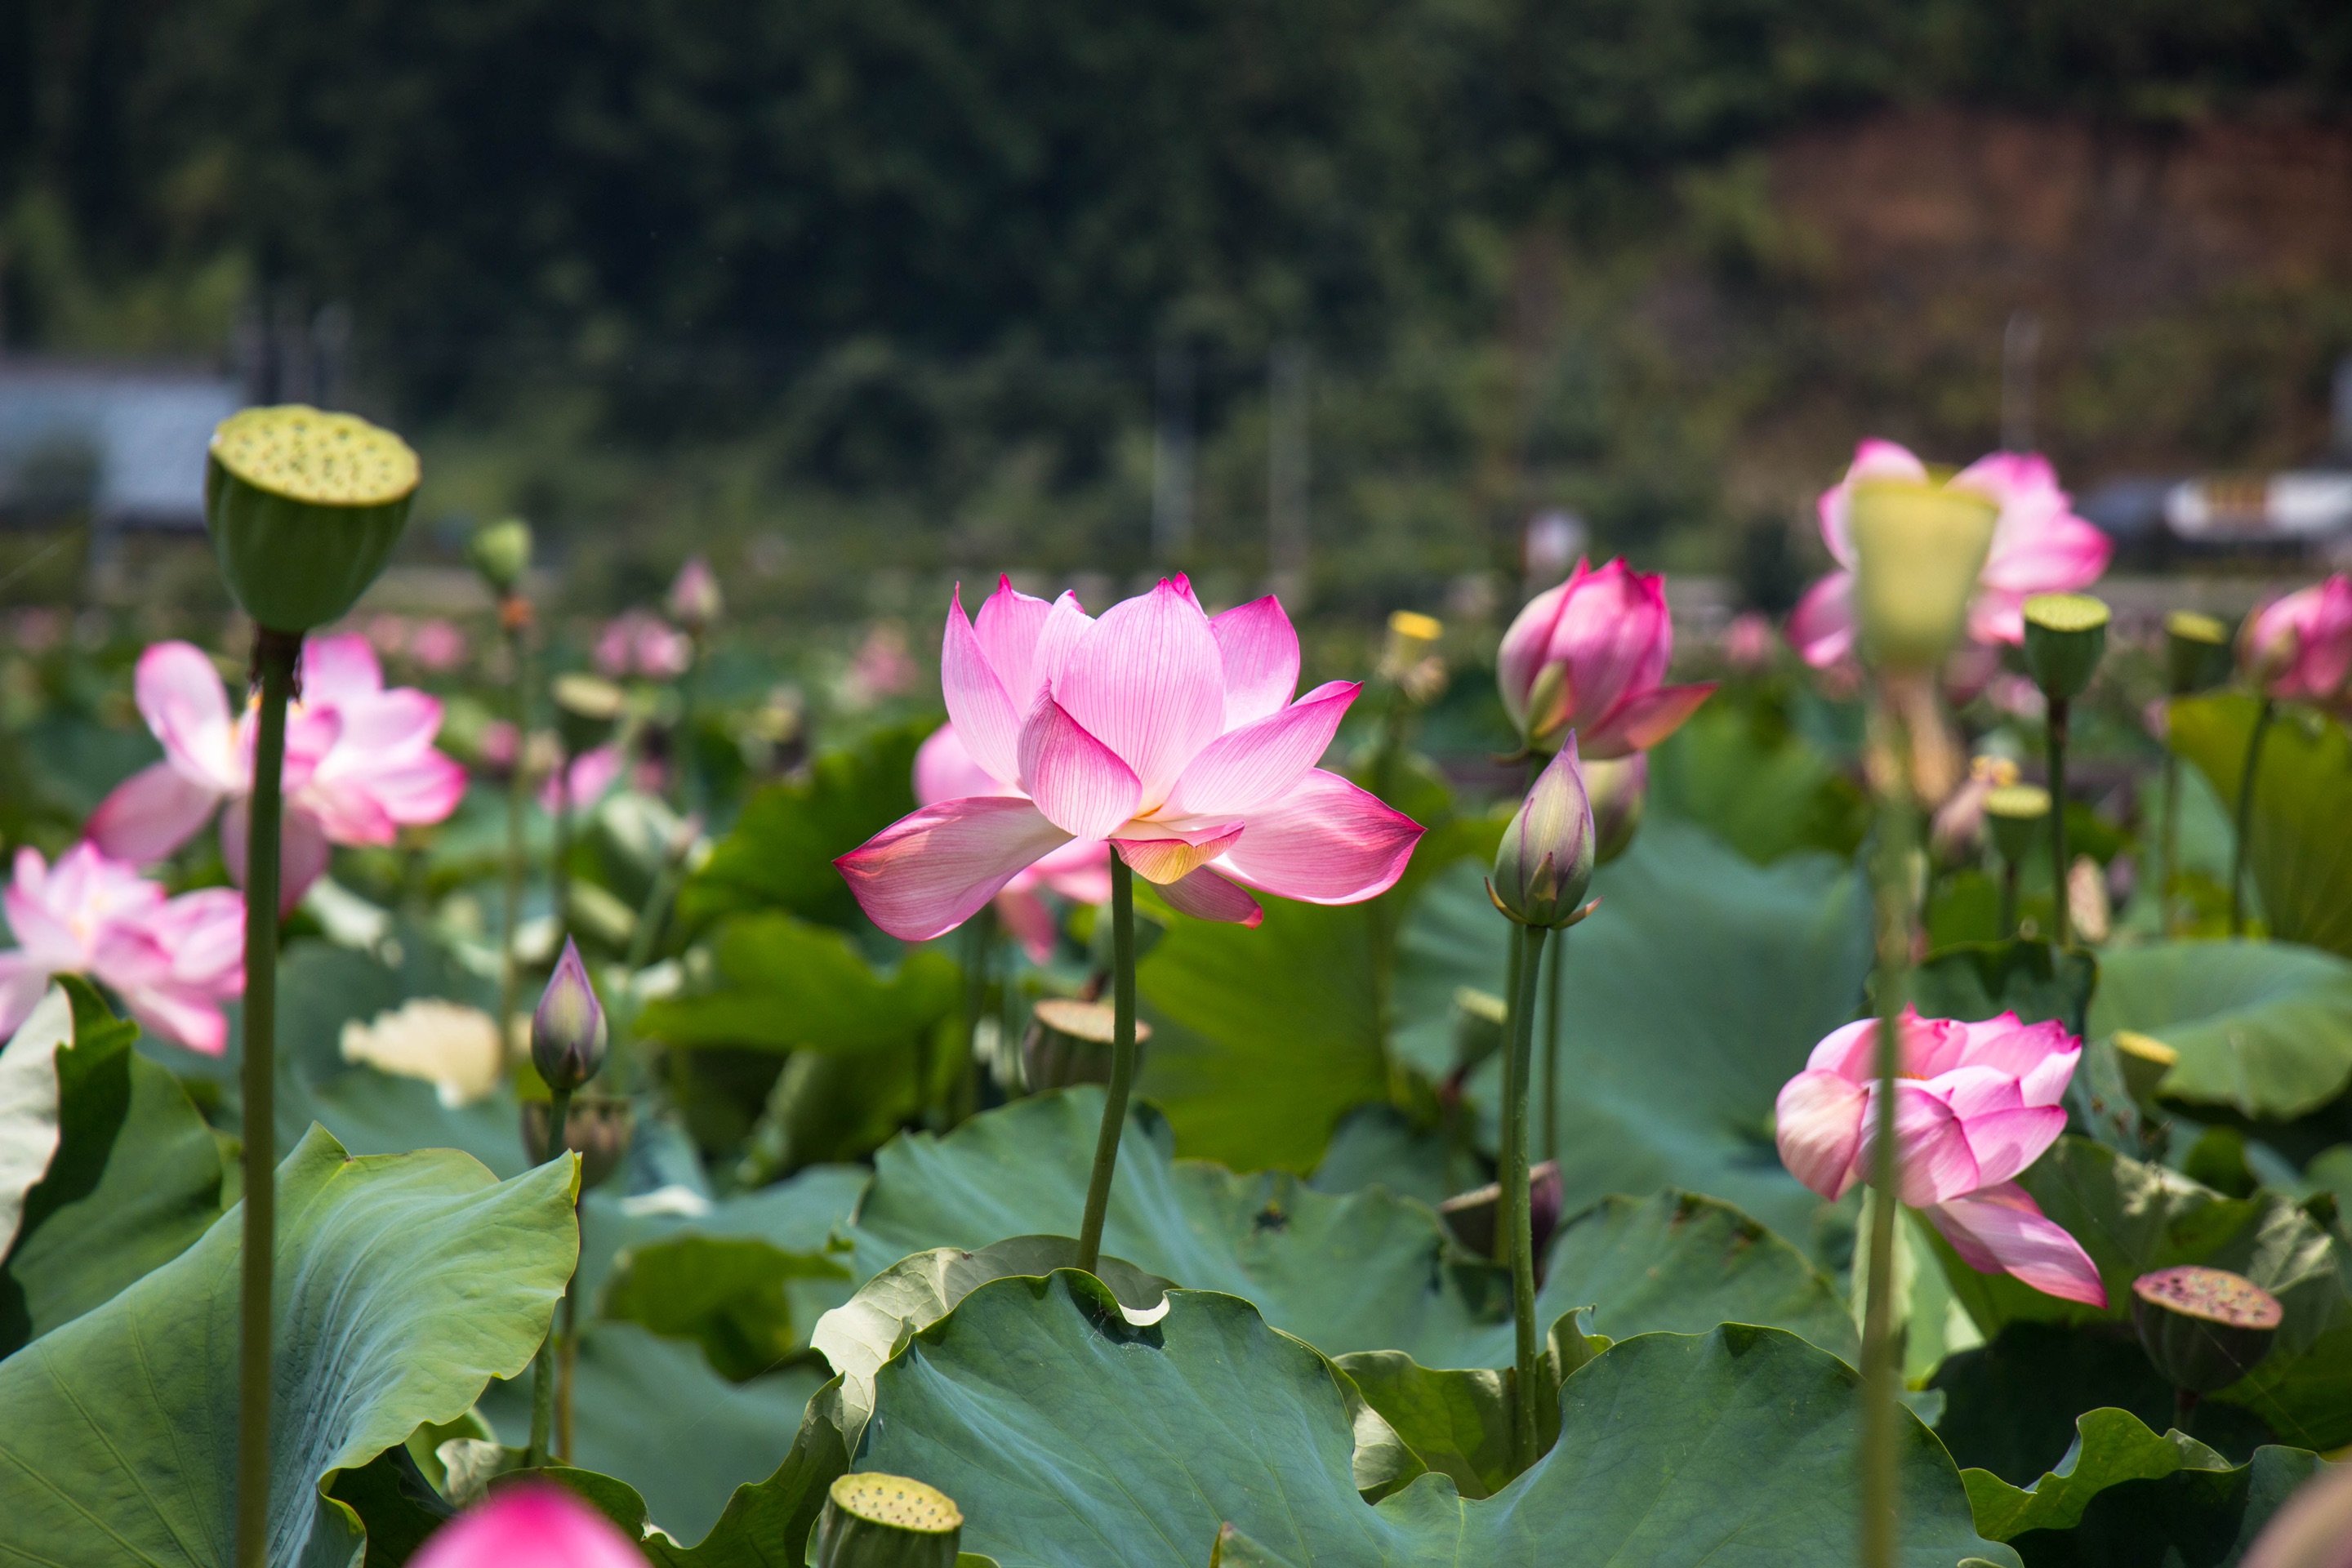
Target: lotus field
point(1146, 1089)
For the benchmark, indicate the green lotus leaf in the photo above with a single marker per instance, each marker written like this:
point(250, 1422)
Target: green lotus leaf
point(1978, 980)
point(115, 1448)
point(2264, 1028)
point(783, 984)
point(1745, 774)
point(2299, 856)
point(1070, 1435)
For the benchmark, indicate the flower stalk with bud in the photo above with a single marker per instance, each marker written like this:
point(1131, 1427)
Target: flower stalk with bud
point(2197, 656)
point(2293, 650)
point(2065, 636)
point(502, 555)
point(568, 1041)
point(1541, 872)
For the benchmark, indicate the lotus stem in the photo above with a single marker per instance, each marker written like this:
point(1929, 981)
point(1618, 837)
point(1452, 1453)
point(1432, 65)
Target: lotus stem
point(1122, 1061)
point(2055, 743)
point(542, 1371)
point(277, 657)
point(1555, 971)
point(568, 1363)
point(2008, 898)
point(514, 615)
point(1517, 1222)
point(979, 949)
point(2168, 888)
point(1879, 1371)
point(2263, 717)
point(559, 872)
point(685, 783)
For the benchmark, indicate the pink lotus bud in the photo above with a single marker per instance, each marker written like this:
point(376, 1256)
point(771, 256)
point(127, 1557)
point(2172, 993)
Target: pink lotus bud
point(2299, 648)
point(529, 1525)
point(694, 599)
point(1547, 856)
point(567, 1033)
point(1589, 656)
point(1618, 789)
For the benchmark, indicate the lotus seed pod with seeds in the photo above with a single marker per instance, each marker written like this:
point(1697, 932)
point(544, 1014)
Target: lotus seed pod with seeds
point(2196, 652)
point(304, 508)
point(2017, 816)
point(1070, 1041)
point(2203, 1327)
point(1918, 548)
point(874, 1520)
point(2065, 638)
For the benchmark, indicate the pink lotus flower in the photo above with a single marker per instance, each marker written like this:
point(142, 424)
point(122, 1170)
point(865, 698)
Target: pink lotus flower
point(2298, 648)
point(531, 1524)
point(694, 600)
point(2039, 546)
point(1171, 736)
point(437, 646)
point(1977, 1104)
point(360, 763)
point(1589, 656)
point(640, 644)
point(171, 960)
point(592, 771)
point(1078, 871)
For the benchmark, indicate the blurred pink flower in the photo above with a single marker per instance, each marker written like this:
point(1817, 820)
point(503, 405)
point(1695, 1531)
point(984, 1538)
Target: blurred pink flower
point(436, 646)
point(1589, 656)
point(593, 772)
point(1977, 1104)
point(171, 960)
point(881, 668)
point(2298, 648)
point(498, 744)
point(694, 600)
point(1748, 643)
point(1168, 733)
point(1078, 871)
point(388, 633)
point(37, 629)
point(2039, 546)
point(641, 644)
point(531, 1524)
point(360, 761)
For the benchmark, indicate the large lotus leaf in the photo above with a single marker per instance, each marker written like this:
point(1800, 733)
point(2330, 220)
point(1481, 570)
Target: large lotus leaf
point(2299, 854)
point(1978, 980)
point(2133, 1217)
point(126, 1178)
point(780, 853)
point(783, 984)
point(2124, 1494)
point(1694, 991)
point(1741, 772)
point(1069, 1435)
point(2264, 1028)
point(731, 1295)
point(405, 1283)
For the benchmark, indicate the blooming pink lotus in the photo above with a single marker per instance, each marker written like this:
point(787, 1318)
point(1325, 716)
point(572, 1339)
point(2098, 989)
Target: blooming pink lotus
point(2298, 648)
point(529, 1525)
point(1078, 871)
point(2039, 546)
point(639, 643)
point(171, 960)
point(1589, 656)
point(360, 763)
point(1976, 1105)
point(1168, 733)
point(592, 771)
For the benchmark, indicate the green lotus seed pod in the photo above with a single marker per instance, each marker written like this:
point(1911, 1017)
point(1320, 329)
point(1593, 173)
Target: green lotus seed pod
point(2065, 638)
point(586, 708)
point(2017, 816)
point(304, 508)
point(874, 1520)
point(2196, 652)
point(2203, 1327)
point(501, 553)
point(1919, 547)
point(1070, 1041)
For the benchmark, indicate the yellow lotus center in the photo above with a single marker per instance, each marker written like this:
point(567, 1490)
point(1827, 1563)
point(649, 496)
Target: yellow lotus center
point(306, 454)
point(896, 1502)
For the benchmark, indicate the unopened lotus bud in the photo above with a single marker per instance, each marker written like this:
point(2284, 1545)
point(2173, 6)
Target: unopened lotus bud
point(2065, 638)
point(1918, 548)
point(2017, 816)
point(1618, 789)
point(694, 599)
point(2144, 1059)
point(501, 553)
point(567, 1033)
point(1471, 1215)
point(874, 1520)
point(1546, 859)
point(1070, 1041)
point(2196, 652)
point(595, 1130)
point(586, 708)
point(2203, 1327)
point(304, 508)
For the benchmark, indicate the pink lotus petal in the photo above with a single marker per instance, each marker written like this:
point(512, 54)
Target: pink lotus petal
point(1206, 896)
point(1008, 629)
point(932, 871)
point(1257, 650)
point(1079, 871)
point(531, 1524)
point(1819, 1126)
point(1934, 1160)
point(1614, 635)
point(593, 772)
point(1872, 460)
point(1260, 763)
point(1327, 842)
point(1064, 630)
point(179, 694)
point(1025, 914)
point(2006, 1142)
point(2020, 1049)
point(1850, 1051)
point(425, 789)
point(179, 1013)
point(945, 771)
point(1645, 719)
point(203, 934)
point(2002, 1230)
point(1148, 681)
point(150, 814)
point(1822, 627)
point(1079, 784)
point(1166, 860)
point(22, 983)
point(340, 672)
point(402, 720)
point(979, 705)
point(302, 855)
point(1526, 647)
